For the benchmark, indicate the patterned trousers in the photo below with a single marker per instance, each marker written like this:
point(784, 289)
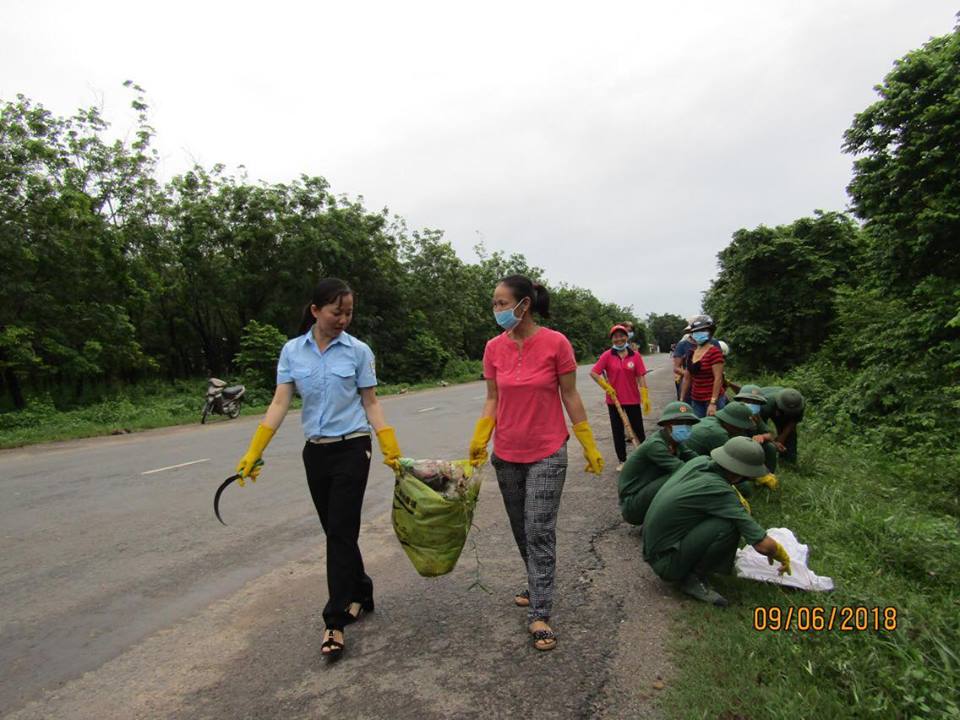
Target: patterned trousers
point(531, 495)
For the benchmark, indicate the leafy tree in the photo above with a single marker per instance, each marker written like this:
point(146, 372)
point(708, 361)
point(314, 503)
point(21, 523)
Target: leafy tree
point(260, 346)
point(111, 276)
point(906, 177)
point(774, 296)
point(66, 195)
point(666, 329)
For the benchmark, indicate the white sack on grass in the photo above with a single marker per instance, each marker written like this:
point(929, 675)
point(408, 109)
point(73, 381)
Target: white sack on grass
point(752, 565)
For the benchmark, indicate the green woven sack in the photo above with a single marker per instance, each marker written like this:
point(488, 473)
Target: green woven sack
point(431, 527)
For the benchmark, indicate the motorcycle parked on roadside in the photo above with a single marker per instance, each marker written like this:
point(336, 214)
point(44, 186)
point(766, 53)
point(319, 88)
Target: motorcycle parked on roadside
point(222, 400)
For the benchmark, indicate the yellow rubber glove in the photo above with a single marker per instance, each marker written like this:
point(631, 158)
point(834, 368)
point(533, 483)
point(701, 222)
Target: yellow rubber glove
point(607, 387)
point(780, 554)
point(769, 480)
point(250, 464)
point(645, 396)
point(593, 457)
point(481, 437)
point(389, 447)
point(742, 499)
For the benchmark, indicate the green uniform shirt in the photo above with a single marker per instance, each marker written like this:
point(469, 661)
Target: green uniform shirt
point(693, 494)
point(707, 435)
point(651, 461)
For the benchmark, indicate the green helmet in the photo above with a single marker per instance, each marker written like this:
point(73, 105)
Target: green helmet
point(736, 414)
point(742, 456)
point(790, 401)
point(678, 412)
point(750, 394)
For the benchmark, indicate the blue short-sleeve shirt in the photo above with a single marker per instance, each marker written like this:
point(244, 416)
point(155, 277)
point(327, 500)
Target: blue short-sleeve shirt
point(329, 382)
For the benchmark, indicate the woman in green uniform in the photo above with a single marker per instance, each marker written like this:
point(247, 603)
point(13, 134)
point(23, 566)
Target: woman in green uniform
point(660, 455)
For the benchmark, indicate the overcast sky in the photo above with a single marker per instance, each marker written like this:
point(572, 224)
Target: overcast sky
point(616, 145)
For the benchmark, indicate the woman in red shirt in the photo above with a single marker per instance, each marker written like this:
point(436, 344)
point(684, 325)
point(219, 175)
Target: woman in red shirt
point(704, 374)
point(624, 382)
point(531, 377)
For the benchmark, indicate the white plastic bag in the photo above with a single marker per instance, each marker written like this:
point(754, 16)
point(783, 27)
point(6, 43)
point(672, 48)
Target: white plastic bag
point(752, 565)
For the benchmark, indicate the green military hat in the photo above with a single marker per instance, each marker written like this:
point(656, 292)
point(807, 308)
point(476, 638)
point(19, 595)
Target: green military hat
point(742, 456)
point(678, 412)
point(736, 414)
point(751, 394)
point(790, 401)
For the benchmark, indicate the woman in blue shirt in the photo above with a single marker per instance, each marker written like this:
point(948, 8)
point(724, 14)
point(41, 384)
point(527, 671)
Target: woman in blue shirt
point(335, 374)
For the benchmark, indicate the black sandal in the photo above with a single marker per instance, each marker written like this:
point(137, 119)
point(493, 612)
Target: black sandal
point(522, 598)
point(331, 649)
point(544, 640)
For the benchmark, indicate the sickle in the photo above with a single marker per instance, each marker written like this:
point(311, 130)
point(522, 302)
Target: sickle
point(216, 497)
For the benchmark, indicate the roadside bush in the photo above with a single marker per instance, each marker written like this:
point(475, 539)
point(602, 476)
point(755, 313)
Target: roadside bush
point(260, 346)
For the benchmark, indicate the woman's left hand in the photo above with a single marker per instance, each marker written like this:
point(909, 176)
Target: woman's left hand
point(712, 409)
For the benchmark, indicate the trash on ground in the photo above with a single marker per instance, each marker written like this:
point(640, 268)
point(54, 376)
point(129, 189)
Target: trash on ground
point(752, 565)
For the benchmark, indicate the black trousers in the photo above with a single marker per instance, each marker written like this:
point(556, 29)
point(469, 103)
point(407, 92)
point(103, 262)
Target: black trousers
point(337, 476)
point(635, 416)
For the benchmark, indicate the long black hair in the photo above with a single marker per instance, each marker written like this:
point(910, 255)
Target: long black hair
point(523, 287)
point(327, 292)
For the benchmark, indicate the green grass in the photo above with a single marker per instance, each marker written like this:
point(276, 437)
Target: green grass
point(158, 405)
point(887, 532)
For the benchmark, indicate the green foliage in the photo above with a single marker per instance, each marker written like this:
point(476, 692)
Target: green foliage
point(774, 298)
point(666, 329)
point(585, 320)
point(423, 357)
point(260, 346)
point(112, 277)
point(906, 176)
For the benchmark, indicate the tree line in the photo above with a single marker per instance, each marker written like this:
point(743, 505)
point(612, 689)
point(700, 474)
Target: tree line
point(112, 276)
point(864, 310)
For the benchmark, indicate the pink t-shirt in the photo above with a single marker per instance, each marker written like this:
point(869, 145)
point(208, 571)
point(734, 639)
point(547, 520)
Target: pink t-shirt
point(622, 373)
point(530, 423)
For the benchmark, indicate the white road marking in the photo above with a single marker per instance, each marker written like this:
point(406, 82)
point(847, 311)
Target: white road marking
point(479, 397)
point(423, 410)
point(174, 467)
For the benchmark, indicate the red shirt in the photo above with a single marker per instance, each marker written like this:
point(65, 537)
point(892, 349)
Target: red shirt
point(622, 373)
point(702, 373)
point(530, 423)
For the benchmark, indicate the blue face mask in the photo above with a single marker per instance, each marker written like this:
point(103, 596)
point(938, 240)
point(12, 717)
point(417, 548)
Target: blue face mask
point(620, 348)
point(680, 432)
point(701, 336)
point(754, 409)
point(506, 319)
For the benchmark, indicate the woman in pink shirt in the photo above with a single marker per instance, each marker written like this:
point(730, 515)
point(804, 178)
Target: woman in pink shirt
point(531, 377)
point(619, 371)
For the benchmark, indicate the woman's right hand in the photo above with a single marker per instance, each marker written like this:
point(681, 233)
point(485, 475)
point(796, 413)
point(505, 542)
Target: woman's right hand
point(251, 464)
point(607, 388)
point(481, 438)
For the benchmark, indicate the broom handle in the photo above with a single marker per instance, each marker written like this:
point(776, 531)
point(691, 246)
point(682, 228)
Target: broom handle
point(626, 421)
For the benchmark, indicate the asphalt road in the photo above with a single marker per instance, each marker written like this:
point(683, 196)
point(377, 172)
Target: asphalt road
point(121, 596)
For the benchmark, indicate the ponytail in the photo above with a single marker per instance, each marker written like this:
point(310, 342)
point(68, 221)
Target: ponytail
point(306, 320)
point(541, 303)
